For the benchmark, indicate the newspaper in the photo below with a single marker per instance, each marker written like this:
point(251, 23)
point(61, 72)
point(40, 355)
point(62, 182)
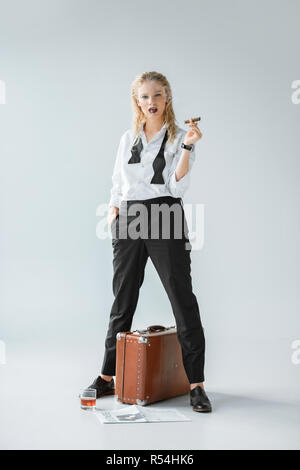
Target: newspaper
point(139, 414)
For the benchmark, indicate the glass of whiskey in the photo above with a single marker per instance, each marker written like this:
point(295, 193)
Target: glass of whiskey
point(88, 399)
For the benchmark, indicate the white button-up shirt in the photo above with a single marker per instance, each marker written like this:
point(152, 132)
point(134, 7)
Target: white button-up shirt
point(132, 181)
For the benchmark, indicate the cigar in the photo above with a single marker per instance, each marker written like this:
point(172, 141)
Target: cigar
point(193, 120)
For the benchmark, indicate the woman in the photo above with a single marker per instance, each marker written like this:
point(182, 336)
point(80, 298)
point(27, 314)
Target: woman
point(152, 168)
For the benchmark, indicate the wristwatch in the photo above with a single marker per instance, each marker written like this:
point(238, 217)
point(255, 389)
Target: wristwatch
point(187, 147)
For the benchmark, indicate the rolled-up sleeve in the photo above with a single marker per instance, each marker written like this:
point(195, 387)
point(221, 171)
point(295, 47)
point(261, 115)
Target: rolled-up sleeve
point(116, 190)
point(178, 188)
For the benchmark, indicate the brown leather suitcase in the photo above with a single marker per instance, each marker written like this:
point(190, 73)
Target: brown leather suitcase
point(149, 366)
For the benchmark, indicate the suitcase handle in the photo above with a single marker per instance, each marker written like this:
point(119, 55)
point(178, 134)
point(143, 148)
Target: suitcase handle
point(156, 328)
point(152, 328)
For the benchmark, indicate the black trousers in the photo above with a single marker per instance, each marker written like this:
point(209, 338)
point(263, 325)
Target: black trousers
point(170, 254)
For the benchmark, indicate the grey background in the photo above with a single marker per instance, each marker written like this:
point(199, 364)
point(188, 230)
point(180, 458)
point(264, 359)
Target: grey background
point(68, 66)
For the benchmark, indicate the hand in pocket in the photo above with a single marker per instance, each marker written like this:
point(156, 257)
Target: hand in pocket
point(111, 216)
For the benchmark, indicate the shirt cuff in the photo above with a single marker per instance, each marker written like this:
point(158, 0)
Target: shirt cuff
point(115, 201)
point(178, 188)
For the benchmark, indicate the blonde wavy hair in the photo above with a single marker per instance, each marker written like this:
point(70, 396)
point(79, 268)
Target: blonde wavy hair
point(138, 115)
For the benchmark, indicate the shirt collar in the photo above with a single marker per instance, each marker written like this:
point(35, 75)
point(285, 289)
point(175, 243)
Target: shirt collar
point(155, 137)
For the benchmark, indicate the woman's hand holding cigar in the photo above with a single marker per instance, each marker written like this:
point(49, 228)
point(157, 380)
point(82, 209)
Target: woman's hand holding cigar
point(194, 134)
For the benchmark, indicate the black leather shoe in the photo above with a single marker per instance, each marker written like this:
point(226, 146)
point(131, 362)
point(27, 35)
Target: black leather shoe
point(103, 387)
point(199, 400)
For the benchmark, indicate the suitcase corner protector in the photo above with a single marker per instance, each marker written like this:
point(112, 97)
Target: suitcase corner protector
point(141, 402)
point(143, 339)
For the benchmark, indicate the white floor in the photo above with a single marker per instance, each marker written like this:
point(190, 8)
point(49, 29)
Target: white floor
point(39, 409)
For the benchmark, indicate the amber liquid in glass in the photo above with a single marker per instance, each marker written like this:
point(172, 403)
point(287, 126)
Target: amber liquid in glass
point(88, 403)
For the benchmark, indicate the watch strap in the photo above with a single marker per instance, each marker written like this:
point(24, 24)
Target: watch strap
point(187, 147)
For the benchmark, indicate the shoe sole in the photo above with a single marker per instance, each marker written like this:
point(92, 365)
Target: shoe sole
point(202, 411)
